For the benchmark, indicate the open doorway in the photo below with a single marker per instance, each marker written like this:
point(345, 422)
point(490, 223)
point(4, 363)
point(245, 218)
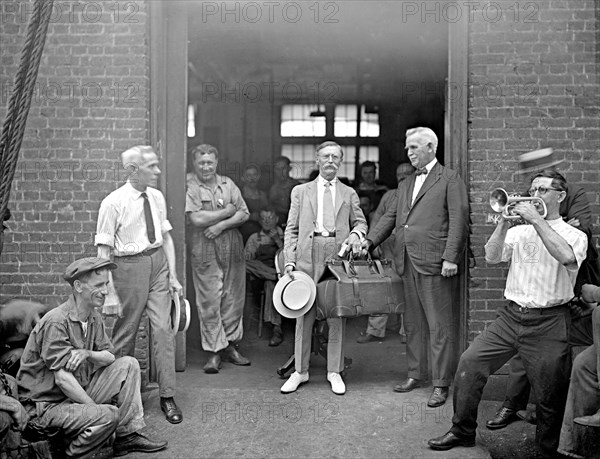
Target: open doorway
point(270, 79)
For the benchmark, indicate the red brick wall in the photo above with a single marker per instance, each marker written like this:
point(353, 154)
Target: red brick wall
point(534, 83)
point(89, 105)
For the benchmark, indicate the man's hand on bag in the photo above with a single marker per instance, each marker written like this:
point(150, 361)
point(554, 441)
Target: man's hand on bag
point(353, 241)
point(449, 269)
point(365, 246)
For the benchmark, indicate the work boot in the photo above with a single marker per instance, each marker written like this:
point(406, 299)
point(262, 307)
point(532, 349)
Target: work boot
point(136, 442)
point(213, 365)
point(590, 421)
point(231, 354)
point(277, 337)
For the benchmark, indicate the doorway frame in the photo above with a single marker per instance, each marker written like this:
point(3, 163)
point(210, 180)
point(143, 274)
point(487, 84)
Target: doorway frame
point(168, 33)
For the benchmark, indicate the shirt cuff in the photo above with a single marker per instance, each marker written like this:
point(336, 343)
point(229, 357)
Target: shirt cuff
point(360, 235)
point(166, 226)
point(104, 239)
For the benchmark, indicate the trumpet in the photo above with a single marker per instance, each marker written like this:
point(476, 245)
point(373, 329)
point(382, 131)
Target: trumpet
point(501, 201)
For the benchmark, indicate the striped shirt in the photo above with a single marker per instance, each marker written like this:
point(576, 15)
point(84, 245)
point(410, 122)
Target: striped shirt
point(535, 278)
point(122, 224)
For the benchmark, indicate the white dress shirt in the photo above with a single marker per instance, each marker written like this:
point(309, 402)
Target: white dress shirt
point(320, 191)
point(122, 224)
point(420, 179)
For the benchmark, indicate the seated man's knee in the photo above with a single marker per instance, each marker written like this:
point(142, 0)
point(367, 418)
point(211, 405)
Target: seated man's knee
point(128, 362)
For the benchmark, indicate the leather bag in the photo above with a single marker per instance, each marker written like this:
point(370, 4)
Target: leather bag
point(351, 288)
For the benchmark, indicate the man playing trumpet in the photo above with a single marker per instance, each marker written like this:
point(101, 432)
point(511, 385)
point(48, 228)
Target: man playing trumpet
point(545, 255)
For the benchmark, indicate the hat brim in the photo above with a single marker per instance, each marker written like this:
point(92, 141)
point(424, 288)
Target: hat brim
point(278, 290)
point(539, 168)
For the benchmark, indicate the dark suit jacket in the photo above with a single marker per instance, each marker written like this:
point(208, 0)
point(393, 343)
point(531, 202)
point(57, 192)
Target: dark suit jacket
point(299, 231)
point(434, 228)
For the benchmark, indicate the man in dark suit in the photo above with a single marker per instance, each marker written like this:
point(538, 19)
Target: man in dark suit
point(431, 218)
point(324, 215)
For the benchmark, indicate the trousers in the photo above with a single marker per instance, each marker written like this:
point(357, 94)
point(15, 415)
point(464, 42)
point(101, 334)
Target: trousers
point(87, 426)
point(142, 283)
point(540, 339)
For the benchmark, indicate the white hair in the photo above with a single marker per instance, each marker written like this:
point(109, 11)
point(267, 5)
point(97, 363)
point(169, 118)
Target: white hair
point(135, 154)
point(426, 134)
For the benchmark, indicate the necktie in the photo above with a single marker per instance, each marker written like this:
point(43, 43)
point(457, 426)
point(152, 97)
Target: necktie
point(149, 221)
point(328, 218)
point(422, 171)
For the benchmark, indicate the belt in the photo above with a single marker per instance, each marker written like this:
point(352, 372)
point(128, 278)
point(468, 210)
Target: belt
point(541, 311)
point(325, 233)
point(145, 253)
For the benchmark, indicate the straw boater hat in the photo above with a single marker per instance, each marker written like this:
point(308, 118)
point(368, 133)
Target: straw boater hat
point(180, 314)
point(537, 160)
point(293, 297)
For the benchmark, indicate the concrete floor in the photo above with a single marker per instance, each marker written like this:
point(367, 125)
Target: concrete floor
point(240, 412)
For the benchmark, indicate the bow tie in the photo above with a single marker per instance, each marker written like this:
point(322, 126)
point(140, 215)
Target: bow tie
point(422, 171)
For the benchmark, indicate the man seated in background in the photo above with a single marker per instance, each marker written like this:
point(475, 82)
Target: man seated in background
point(69, 378)
point(260, 251)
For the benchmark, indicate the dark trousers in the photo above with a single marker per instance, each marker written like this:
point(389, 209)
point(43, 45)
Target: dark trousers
point(518, 387)
point(541, 340)
point(429, 323)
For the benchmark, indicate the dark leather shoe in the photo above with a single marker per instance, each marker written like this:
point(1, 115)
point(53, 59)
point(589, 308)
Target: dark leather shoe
point(213, 365)
point(449, 441)
point(171, 410)
point(408, 385)
point(231, 354)
point(368, 338)
point(504, 416)
point(277, 337)
point(136, 442)
point(529, 416)
point(438, 396)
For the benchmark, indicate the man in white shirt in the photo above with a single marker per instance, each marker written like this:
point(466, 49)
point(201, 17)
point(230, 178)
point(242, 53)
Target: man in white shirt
point(324, 215)
point(545, 255)
point(133, 227)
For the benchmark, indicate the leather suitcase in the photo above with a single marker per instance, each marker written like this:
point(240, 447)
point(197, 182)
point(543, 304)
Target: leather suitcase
point(351, 288)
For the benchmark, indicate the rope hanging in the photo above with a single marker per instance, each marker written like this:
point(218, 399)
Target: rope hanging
point(20, 100)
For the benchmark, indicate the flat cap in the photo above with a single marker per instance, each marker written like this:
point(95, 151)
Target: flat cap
point(84, 265)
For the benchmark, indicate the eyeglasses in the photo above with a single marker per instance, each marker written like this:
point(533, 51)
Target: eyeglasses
point(332, 156)
point(541, 190)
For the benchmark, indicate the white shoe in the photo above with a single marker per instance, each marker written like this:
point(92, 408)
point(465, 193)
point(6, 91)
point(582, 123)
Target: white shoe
point(293, 382)
point(337, 383)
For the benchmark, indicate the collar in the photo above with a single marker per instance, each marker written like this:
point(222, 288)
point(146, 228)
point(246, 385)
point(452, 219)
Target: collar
point(321, 181)
point(134, 192)
point(430, 165)
point(71, 308)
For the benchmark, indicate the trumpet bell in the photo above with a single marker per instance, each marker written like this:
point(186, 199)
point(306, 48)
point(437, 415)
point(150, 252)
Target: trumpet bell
point(498, 200)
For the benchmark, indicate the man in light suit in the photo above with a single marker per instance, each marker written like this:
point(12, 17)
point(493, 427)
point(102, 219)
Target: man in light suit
point(431, 218)
point(324, 215)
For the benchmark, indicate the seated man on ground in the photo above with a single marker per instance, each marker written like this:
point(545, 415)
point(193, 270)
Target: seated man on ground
point(12, 414)
point(69, 378)
point(260, 251)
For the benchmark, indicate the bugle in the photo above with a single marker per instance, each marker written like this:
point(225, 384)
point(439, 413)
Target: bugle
point(502, 202)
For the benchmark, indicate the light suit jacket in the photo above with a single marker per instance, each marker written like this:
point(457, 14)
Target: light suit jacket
point(300, 228)
point(432, 229)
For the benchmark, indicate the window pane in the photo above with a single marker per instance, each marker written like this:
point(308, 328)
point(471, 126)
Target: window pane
point(303, 121)
point(345, 121)
point(369, 123)
point(302, 158)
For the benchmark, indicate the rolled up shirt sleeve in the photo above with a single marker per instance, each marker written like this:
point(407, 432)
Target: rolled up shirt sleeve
point(107, 225)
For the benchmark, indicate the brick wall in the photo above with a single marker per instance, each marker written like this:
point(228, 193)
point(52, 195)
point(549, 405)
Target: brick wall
point(533, 83)
point(90, 103)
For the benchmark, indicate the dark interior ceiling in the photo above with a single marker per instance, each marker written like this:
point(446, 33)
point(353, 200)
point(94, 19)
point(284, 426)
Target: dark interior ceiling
point(371, 45)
